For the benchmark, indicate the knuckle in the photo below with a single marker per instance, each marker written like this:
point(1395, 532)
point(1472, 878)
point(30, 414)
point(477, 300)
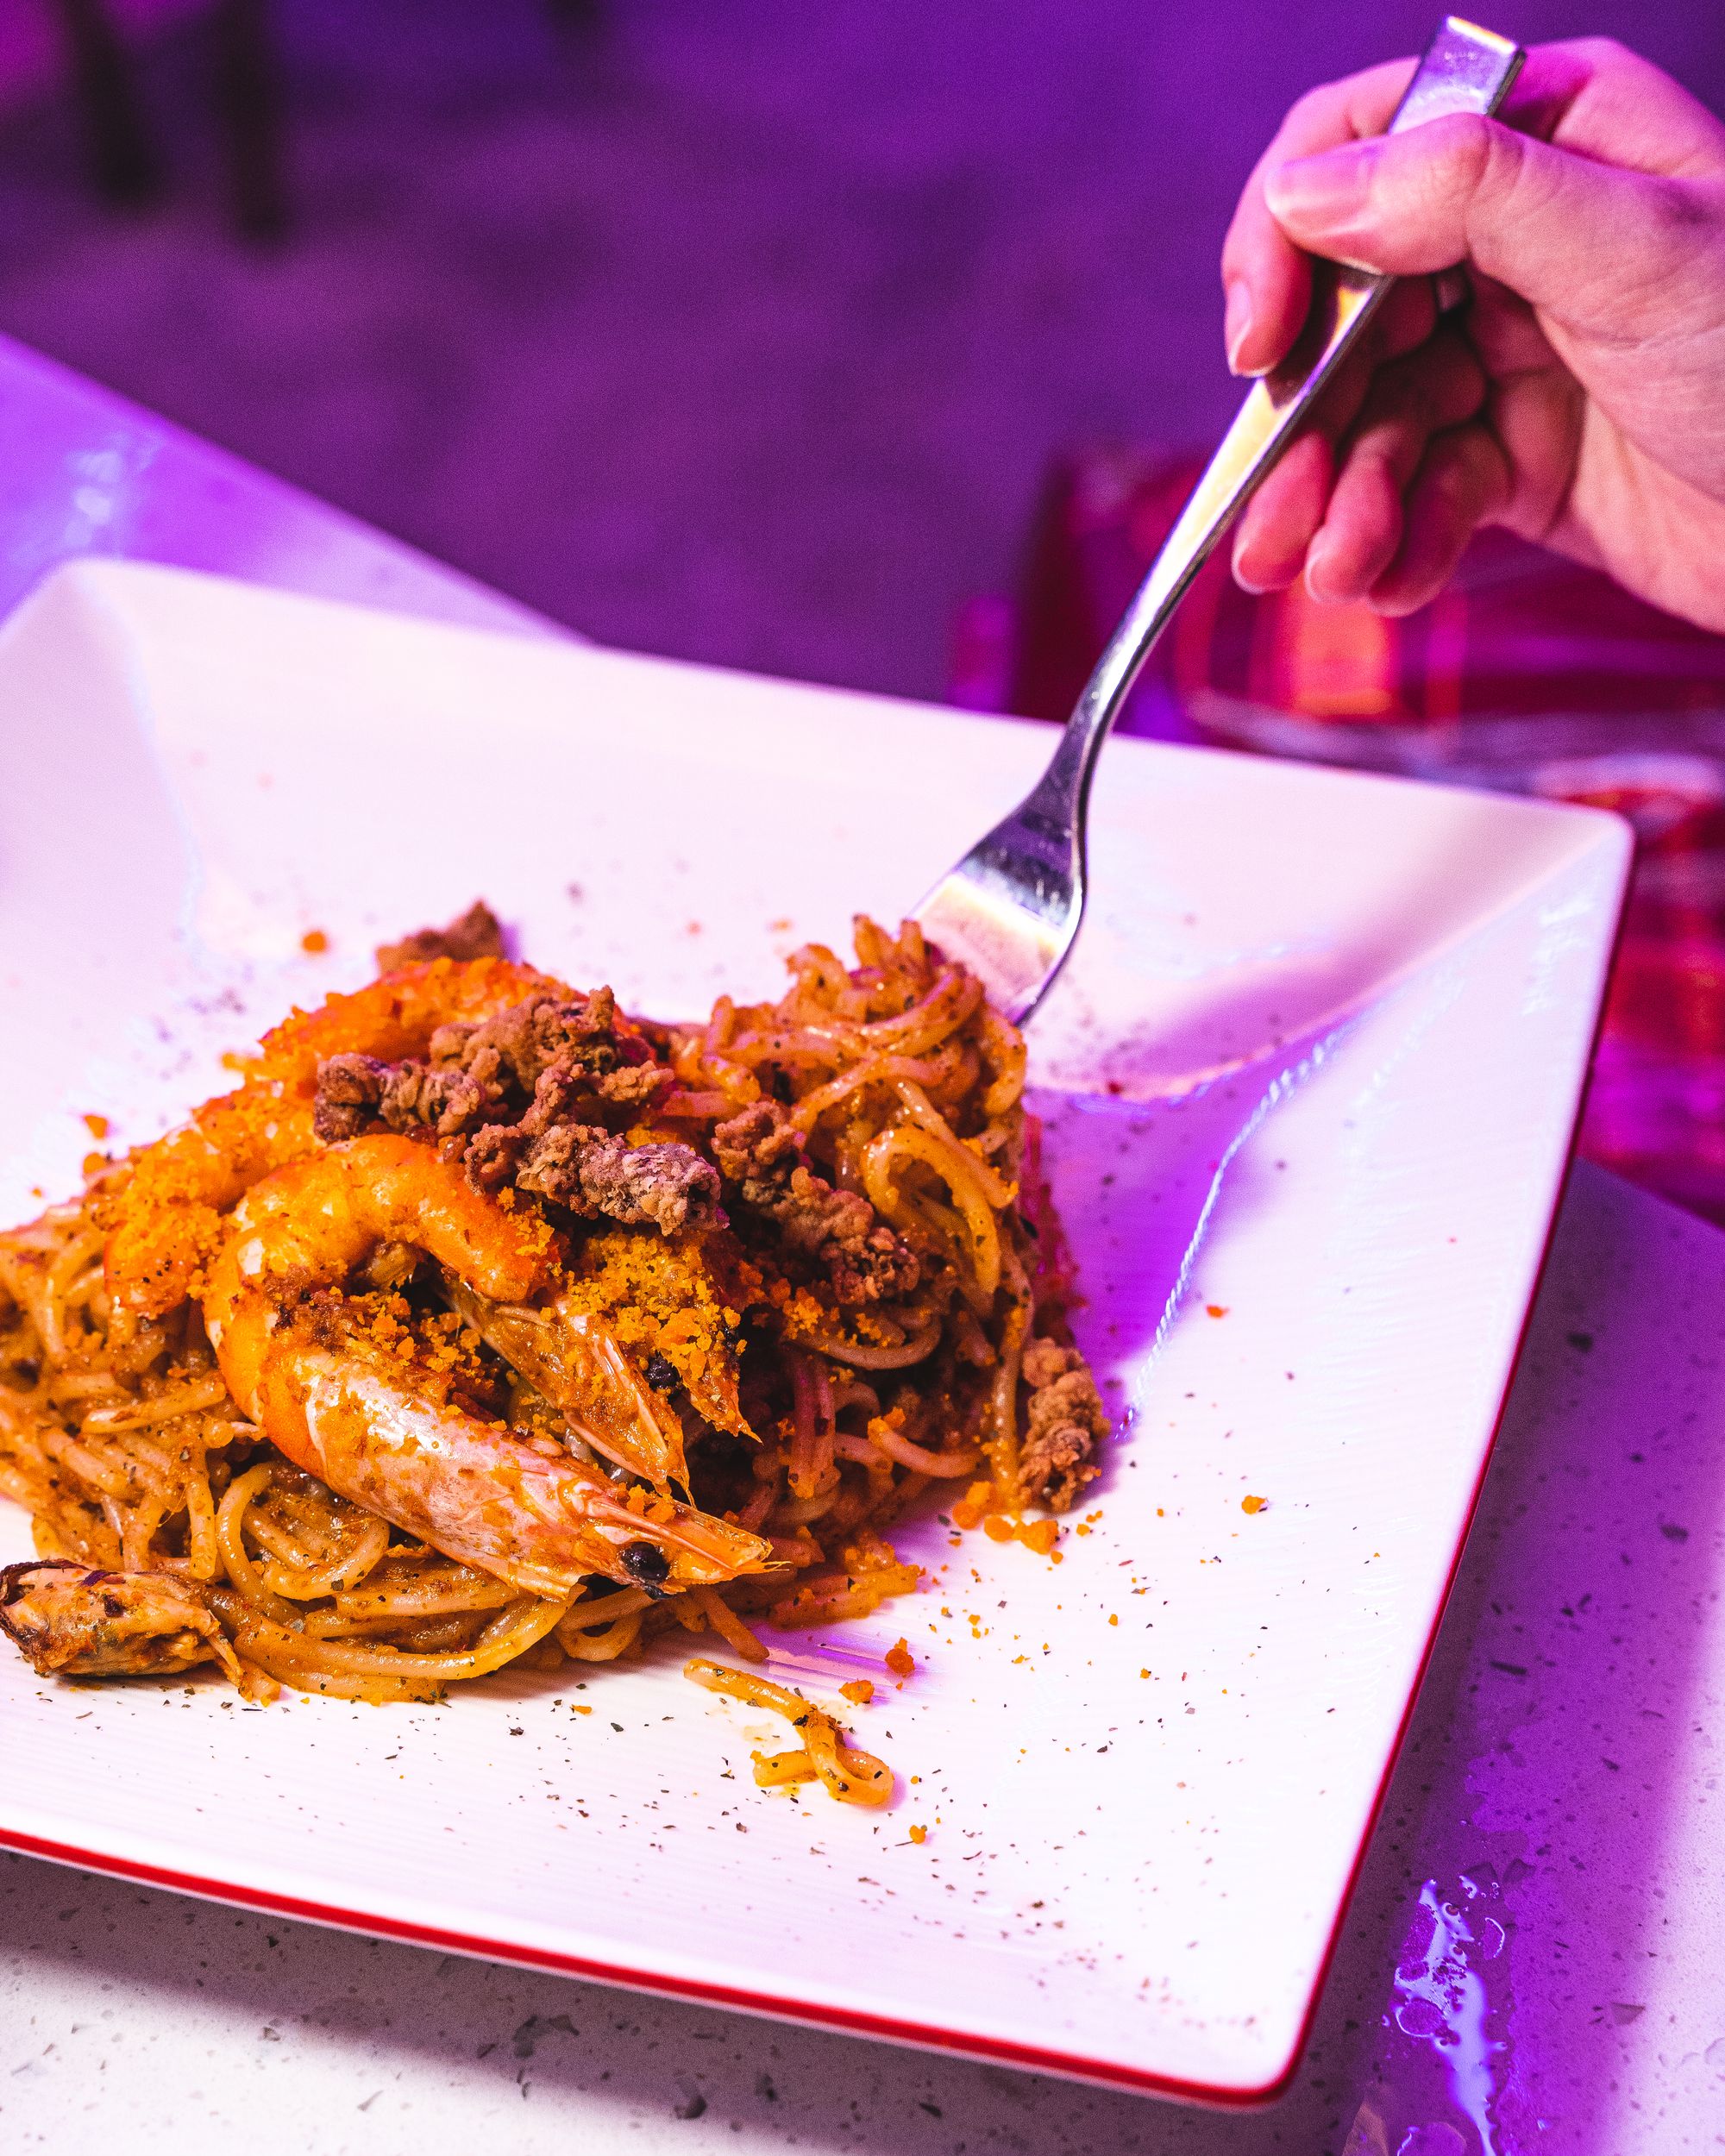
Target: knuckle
point(1402, 402)
point(1436, 171)
point(1316, 120)
point(1604, 55)
point(1462, 471)
point(1680, 212)
point(1242, 242)
point(1489, 166)
point(1470, 151)
point(1233, 249)
point(1310, 106)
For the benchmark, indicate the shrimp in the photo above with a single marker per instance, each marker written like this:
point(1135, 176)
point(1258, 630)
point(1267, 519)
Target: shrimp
point(576, 1362)
point(394, 1440)
point(70, 1621)
point(166, 1223)
point(674, 1298)
point(165, 1215)
point(680, 1298)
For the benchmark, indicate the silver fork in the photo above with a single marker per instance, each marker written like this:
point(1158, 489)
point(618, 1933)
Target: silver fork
point(1011, 908)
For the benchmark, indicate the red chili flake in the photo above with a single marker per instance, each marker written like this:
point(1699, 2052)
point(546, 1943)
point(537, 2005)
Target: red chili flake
point(1215, 1310)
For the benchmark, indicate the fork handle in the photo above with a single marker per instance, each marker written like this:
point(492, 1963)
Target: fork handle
point(1465, 69)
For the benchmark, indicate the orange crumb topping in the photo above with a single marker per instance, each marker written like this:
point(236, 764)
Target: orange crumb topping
point(899, 1659)
point(919, 1833)
point(974, 1505)
point(167, 1214)
point(672, 1295)
point(314, 941)
point(975, 1509)
point(1253, 1504)
point(97, 1125)
point(859, 1691)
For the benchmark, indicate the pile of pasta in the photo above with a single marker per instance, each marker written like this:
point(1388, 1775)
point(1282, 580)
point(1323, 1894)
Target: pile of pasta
point(482, 1324)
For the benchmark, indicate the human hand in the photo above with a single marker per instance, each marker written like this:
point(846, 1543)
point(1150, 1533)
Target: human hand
point(1577, 397)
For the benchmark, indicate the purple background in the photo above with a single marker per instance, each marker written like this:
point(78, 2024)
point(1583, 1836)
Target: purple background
point(742, 332)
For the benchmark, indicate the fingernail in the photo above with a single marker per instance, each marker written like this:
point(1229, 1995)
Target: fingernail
point(1247, 583)
point(1319, 193)
point(1316, 555)
point(1236, 322)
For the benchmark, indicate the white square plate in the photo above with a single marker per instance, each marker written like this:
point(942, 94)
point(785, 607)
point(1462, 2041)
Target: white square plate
point(1310, 1085)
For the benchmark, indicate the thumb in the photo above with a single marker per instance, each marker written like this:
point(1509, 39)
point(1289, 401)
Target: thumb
point(1589, 243)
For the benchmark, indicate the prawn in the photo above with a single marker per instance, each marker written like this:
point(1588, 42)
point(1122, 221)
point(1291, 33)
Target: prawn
point(166, 1223)
point(674, 1294)
point(166, 1214)
point(573, 1360)
point(394, 1440)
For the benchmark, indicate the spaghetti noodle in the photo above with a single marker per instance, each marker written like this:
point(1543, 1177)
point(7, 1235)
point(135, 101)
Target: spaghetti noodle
point(483, 1324)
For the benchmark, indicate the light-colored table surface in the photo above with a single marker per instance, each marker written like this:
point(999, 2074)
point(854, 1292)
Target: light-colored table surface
point(1535, 1955)
point(83, 472)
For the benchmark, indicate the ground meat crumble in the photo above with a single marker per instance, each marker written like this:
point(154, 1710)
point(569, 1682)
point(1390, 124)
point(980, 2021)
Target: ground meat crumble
point(1065, 1424)
point(760, 1154)
point(477, 934)
point(520, 1100)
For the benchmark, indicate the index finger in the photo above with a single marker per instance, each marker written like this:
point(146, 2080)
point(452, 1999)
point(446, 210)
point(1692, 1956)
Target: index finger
point(1267, 279)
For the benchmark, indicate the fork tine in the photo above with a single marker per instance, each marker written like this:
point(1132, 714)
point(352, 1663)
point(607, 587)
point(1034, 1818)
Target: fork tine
point(992, 925)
